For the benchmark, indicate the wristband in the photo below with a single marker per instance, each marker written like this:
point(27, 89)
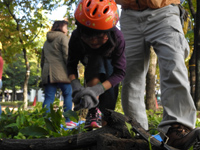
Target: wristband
point(102, 86)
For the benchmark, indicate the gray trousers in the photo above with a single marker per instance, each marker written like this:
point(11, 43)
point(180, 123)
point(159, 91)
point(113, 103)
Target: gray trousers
point(160, 28)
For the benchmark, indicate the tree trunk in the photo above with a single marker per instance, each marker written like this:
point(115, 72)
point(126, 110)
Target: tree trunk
point(150, 82)
point(197, 47)
point(3, 95)
point(13, 94)
point(192, 62)
point(25, 88)
point(37, 82)
point(192, 76)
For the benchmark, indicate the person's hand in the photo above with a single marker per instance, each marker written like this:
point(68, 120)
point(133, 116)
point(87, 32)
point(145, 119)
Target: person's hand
point(85, 102)
point(93, 91)
point(87, 98)
point(76, 87)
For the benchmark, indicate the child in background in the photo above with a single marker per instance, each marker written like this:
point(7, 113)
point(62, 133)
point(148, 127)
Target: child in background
point(54, 67)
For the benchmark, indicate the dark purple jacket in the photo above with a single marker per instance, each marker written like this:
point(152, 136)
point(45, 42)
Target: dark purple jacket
point(77, 52)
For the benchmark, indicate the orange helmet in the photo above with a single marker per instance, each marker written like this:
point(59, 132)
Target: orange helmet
point(97, 14)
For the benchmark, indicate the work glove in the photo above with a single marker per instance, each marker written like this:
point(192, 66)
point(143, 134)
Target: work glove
point(76, 87)
point(85, 102)
point(87, 98)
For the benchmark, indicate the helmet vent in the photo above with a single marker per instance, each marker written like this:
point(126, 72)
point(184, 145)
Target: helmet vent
point(95, 10)
point(106, 10)
point(88, 4)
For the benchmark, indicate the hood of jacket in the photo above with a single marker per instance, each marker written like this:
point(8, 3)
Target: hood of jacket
point(52, 35)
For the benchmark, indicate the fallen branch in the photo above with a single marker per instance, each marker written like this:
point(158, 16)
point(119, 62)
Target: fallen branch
point(114, 135)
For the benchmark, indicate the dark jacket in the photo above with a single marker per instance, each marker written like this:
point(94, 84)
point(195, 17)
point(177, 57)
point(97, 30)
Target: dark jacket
point(77, 53)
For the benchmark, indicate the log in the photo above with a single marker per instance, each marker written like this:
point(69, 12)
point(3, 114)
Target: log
point(70, 142)
point(110, 142)
point(113, 136)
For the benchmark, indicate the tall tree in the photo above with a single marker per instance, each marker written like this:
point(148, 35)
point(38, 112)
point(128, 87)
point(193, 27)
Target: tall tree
point(192, 62)
point(194, 7)
point(13, 74)
point(197, 48)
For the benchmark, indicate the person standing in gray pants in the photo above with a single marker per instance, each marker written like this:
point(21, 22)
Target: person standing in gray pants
point(143, 25)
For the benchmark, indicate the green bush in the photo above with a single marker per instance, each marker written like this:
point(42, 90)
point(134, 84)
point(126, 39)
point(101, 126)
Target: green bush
point(35, 123)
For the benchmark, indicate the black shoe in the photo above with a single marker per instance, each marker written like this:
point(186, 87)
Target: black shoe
point(183, 138)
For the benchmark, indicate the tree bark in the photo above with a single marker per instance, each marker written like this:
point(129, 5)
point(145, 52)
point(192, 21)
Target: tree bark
point(192, 76)
point(150, 82)
point(192, 62)
point(13, 94)
point(25, 88)
point(197, 47)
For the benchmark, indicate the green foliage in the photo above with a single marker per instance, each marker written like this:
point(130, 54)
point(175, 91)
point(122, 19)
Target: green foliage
point(154, 118)
point(22, 21)
point(35, 123)
point(70, 13)
point(15, 103)
point(129, 127)
point(198, 122)
point(150, 147)
point(118, 107)
point(24, 25)
point(56, 101)
point(14, 74)
point(72, 115)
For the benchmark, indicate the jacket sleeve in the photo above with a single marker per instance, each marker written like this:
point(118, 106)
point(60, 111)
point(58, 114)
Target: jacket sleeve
point(64, 48)
point(119, 64)
point(74, 56)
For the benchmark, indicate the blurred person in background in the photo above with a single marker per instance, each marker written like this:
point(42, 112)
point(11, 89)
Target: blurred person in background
point(54, 67)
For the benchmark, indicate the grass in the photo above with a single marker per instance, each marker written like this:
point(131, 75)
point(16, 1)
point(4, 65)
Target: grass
point(14, 104)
